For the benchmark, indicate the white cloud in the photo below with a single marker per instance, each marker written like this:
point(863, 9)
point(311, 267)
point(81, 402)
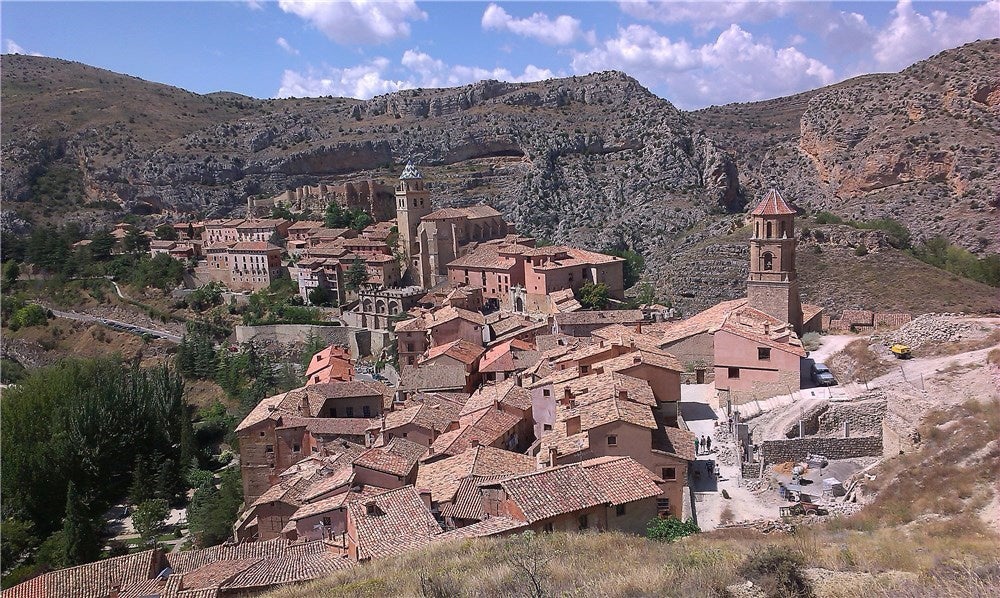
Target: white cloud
point(912, 36)
point(12, 47)
point(705, 14)
point(254, 4)
point(561, 31)
point(735, 67)
point(357, 21)
point(287, 47)
point(372, 78)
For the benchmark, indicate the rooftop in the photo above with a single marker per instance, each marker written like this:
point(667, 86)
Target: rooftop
point(772, 205)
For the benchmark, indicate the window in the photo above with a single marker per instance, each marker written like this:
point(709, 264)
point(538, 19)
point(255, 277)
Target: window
point(296, 448)
point(619, 510)
point(668, 473)
point(663, 507)
point(584, 369)
point(350, 412)
point(367, 411)
point(612, 440)
point(548, 528)
point(768, 261)
point(404, 434)
point(545, 393)
point(546, 427)
point(734, 373)
point(333, 412)
point(763, 353)
point(269, 449)
point(767, 228)
point(584, 523)
point(409, 347)
point(262, 434)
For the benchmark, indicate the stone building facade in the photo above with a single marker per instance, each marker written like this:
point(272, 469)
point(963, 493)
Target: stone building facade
point(773, 286)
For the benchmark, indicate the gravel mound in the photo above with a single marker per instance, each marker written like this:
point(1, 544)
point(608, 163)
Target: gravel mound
point(928, 328)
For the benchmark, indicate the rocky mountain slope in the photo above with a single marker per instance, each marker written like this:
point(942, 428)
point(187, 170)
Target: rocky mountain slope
point(596, 159)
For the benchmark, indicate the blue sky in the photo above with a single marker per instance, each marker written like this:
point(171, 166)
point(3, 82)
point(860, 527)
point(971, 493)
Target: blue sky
point(692, 53)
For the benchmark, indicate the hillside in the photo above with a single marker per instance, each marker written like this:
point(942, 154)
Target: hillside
point(597, 159)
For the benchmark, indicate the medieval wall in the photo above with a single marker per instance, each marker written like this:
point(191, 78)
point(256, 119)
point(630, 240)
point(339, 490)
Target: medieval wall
point(781, 451)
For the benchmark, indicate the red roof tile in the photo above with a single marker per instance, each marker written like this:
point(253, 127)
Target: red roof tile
point(772, 205)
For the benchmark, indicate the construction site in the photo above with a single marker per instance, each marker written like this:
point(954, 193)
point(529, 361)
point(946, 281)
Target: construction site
point(812, 453)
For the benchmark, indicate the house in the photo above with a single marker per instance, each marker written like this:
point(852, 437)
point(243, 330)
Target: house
point(459, 353)
point(379, 307)
point(222, 231)
point(443, 477)
point(389, 524)
point(389, 466)
point(490, 427)
point(507, 359)
point(507, 397)
point(421, 422)
point(253, 265)
point(269, 230)
point(332, 364)
point(583, 323)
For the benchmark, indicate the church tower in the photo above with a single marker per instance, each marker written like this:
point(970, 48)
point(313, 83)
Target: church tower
point(773, 287)
point(413, 202)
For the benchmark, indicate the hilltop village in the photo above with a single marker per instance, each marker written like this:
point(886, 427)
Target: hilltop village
point(513, 408)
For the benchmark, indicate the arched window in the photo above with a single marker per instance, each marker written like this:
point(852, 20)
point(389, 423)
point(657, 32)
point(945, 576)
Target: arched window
point(767, 228)
point(768, 261)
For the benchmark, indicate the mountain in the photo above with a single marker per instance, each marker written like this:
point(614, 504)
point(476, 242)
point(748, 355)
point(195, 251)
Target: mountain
point(595, 159)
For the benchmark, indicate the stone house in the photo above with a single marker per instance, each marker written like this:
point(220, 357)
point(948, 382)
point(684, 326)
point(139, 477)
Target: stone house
point(388, 524)
point(459, 353)
point(253, 265)
point(443, 477)
point(269, 230)
point(583, 323)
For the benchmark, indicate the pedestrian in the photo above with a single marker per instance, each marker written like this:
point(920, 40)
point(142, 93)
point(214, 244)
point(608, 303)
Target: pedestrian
point(708, 446)
point(696, 446)
point(704, 444)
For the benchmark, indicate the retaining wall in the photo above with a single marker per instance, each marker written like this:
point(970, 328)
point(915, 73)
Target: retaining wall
point(360, 342)
point(796, 449)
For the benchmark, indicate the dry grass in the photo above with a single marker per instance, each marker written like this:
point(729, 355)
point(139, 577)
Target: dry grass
point(857, 362)
point(990, 340)
point(993, 357)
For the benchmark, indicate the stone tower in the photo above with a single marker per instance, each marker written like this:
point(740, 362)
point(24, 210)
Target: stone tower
point(413, 202)
point(773, 287)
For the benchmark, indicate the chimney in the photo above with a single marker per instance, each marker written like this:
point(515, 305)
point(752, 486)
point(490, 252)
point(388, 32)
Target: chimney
point(622, 394)
point(304, 406)
point(475, 442)
point(638, 328)
point(519, 379)
point(425, 495)
point(553, 456)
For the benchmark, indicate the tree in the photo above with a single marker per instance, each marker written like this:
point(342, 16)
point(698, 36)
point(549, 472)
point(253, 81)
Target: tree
point(212, 511)
point(18, 541)
point(135, 241)
point(165, 232)
point(148, 518)
point(169, 483)
point(78, 530)
point(594, 296)
point(356, 275)
point(321, 296)
point(633, 266)
point(335, 217)
point(102, 244)
point(360, 220)
point(11, 272)
point(670, 528)
point(143, 485)
point(189, 448)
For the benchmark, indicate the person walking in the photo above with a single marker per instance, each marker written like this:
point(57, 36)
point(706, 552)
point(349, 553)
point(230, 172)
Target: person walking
point(696, 446)
point(708, 444)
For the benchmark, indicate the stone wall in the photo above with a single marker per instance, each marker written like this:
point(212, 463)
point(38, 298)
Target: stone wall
point(864, 418)
point(781, 451)
point(359, 341)
point(899, 435)
point(786, 383)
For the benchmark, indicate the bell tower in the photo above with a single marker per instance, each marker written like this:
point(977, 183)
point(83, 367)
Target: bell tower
point(773, 286)
point(412, 203)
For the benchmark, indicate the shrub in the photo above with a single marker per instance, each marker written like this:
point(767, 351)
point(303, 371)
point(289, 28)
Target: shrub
point(670, 528)
point(778, 571)
point(861, 250)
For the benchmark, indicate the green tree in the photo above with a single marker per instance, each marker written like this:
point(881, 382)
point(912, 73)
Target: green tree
point(593, 296)
point(188, 446)
point(335, 216)
point(143, 486)
point(356, 275)
point(670, 528)
point(29, 315)
point(19, 540)
point(321, 296)
point(165, 232)
point(632, 268)
point(79, 530)
point(169, 482)
point(360, 220)
point(102, 244)
point(11, 272)
point(212, 511)
point(148, 518)
point(135, 241)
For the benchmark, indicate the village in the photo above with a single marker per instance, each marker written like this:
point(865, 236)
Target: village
point(473, 388)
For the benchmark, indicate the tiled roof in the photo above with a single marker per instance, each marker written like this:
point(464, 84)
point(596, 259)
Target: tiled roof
point(398, 458)
point(486, 256)
point(216, 573)
point(509, 356)
point(321, 506)
point(657, 358)
point(286, 569)
point(184, 562)
point(461, 349)
point(809, 311)
point(93, 580)
point(506, 392)
point(322, 359)
point(435, 416)
point(262, 223)
point(701, 322)
point(603, 412)
point(305, 225)
point(620, 480)
point(772, 205)
point(261, 412)
point(433, 376)
point(412, 325)
point(486, 427)
point(470, 212)
point(487, 527)
point(609, 316)
point(675, 441)
point(254, 246)
point(442, 478)
point(449, 313)
point(391, 523)
point(318, 394)
point(320, 486)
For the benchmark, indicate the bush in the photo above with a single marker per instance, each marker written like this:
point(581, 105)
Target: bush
point(778, 572)
point(861, 250)
point(669, 529)
point(29, 315)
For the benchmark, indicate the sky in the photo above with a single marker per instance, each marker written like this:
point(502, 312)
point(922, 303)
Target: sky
point(694, 54)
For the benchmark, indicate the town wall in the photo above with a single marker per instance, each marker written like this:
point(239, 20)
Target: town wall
point(796, 449)
point(360, 341)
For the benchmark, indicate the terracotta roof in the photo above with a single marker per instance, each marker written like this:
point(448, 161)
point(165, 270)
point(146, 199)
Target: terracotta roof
point(216, 573)
point(432, 416)
point(254, 246)
point(449, 313)
point(285, 569)
point(701, 322)
point(391, 523)
point(398, 457)
point(324, 505)
point(657, 358)
point(331, 426)
point(772, 205)
point(433, 376)
point(809, 311)
point(599, 413)
point(412, 325)
point(485, 256)
point(487, 527)
point(470, 212)
point(184, 562)
point(93, 580)
point(262, 223)
point(609, 316)
point(442, 478)
point(506, 392)
point(462, 350)
point(486, 427)
point(510, 356)
point(322, 358)
point(261, 412)
point(667, 439)
point(338, 479)
point(318, 394)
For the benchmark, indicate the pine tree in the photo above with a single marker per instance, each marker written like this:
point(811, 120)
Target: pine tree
point(143, 485)
point(78, 530)
point(189, 449)
point(169, 483)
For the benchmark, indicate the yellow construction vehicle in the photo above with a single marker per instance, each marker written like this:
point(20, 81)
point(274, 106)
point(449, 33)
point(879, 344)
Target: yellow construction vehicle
point(900, 351)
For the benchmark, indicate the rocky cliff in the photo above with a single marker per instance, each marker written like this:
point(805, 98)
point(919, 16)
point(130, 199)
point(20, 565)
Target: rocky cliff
point(596, 159)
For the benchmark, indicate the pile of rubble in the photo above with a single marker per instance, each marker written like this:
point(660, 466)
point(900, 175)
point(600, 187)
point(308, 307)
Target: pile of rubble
point(764, 526)
point(927, 328)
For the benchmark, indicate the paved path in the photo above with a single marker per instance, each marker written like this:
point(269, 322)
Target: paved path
point(117, 325)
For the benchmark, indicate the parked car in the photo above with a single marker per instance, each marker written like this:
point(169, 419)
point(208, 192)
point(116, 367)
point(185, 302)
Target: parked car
point(821, 375)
